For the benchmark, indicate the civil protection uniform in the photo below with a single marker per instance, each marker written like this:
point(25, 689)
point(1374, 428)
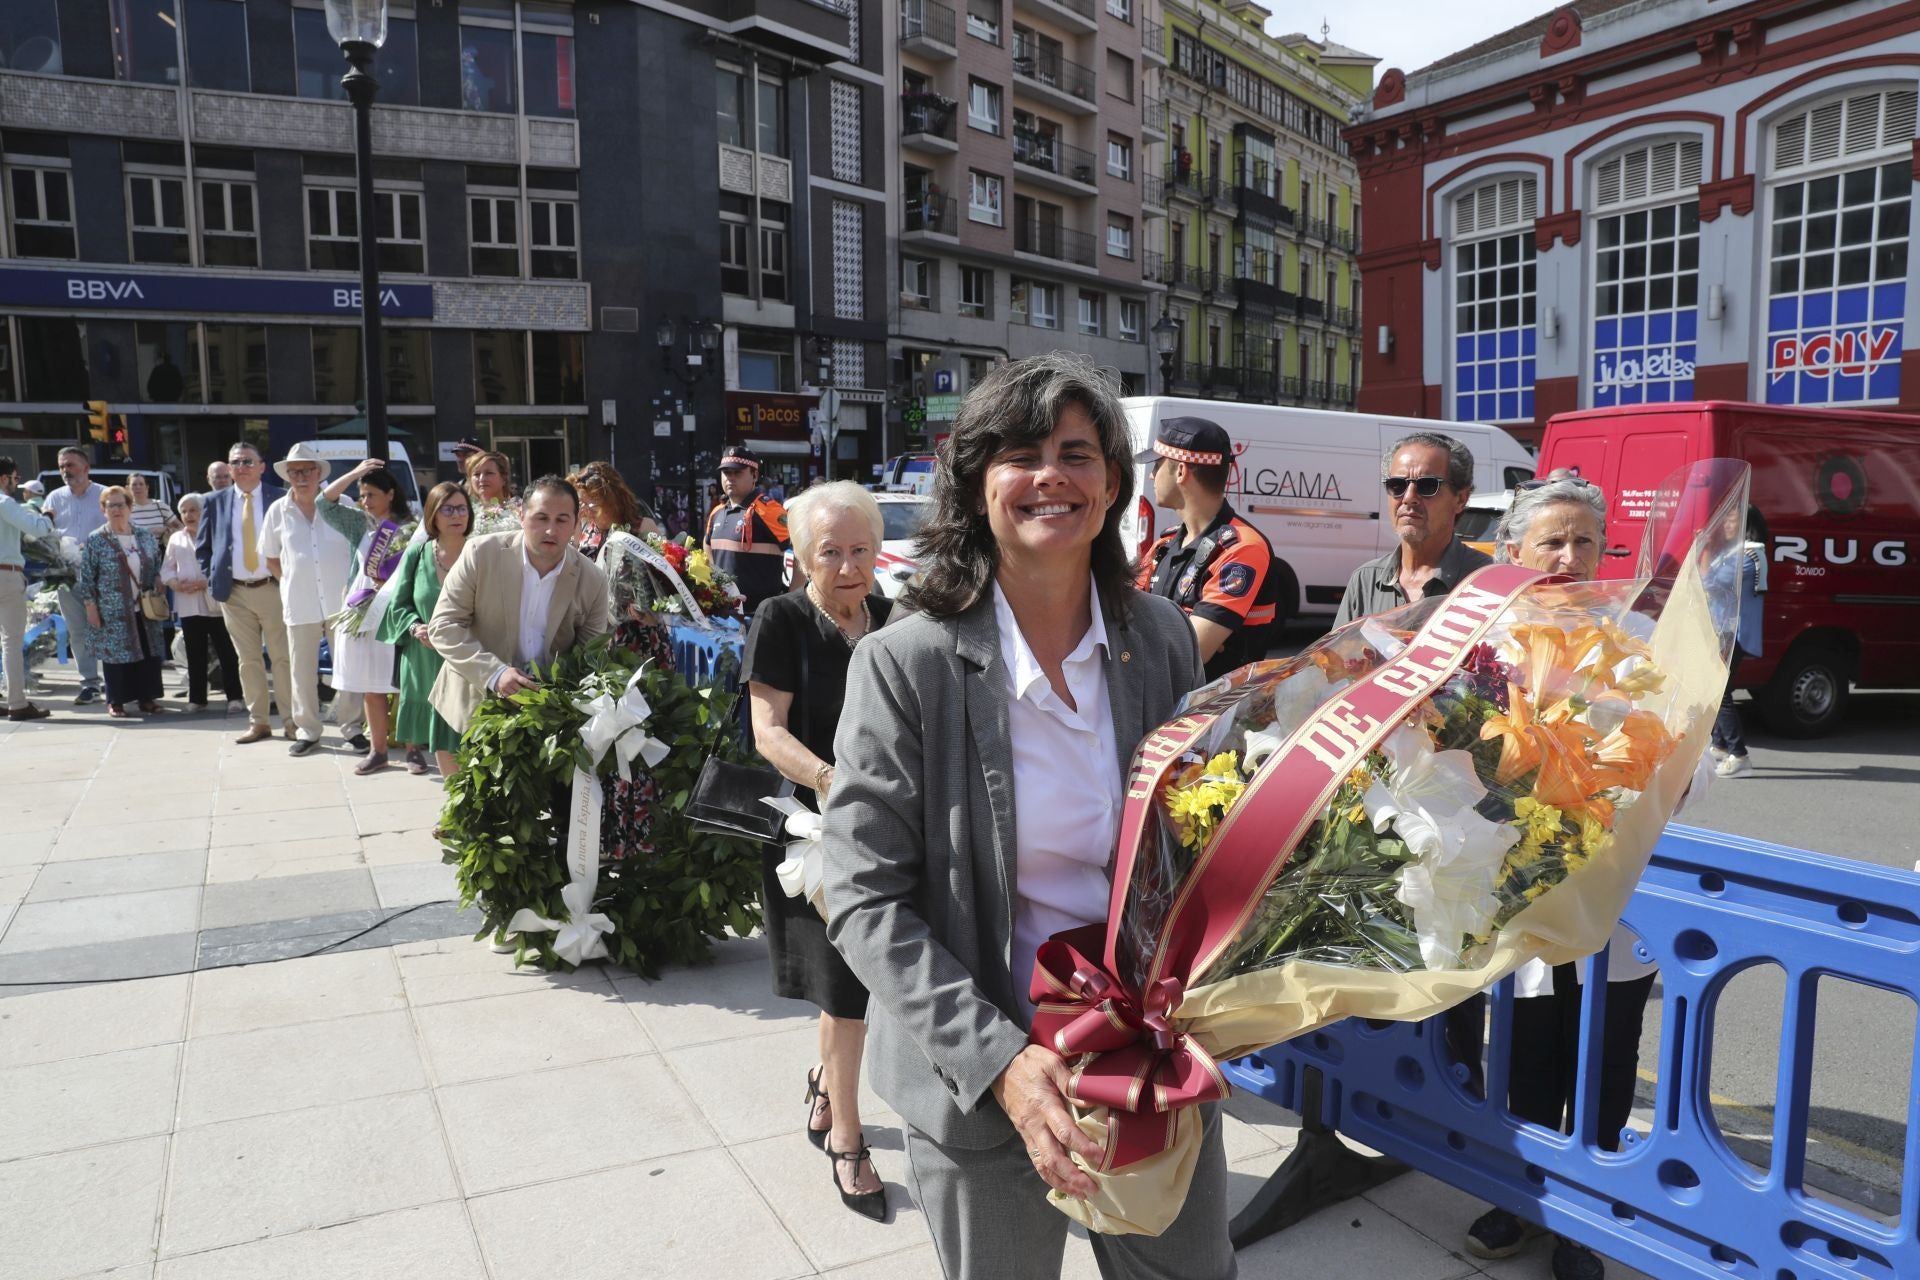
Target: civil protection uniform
point(749, 540)
point(1225, 576)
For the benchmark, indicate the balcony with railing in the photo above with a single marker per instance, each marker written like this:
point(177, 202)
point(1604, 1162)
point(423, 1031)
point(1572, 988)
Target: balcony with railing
point(1254, 292)
point(1183, 275)
point(1043, 159)
point(1153, 43)
point(1256, 194)
point(1342, 393)
point(1044, 74)
point(927, 214)
point(1290, 387)
point(1258, 384)
point(1062, 244)
point(1343, 318)
point(927, 28)
point(1320, 390)
point(1187, 182)
point(1309, 308)
point(1153, 194)
point(928, 123)
point(1080, 15)
point(1153, 267)
point(1153, 119)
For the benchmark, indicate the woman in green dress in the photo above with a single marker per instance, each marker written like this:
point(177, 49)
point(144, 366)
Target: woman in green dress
point(447, 519)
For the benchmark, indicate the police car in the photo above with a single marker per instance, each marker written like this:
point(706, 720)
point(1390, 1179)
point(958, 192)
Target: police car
point(894, 569)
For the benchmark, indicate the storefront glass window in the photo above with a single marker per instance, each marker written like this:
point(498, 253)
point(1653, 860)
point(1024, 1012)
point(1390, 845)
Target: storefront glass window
point(1646, 274)
point(217, 45)
point(9, 370)
point(167, 366)
point(1840, 213)
point(1493, 279)
point(500, 367)
point(236, 363)
point(559, 368)
point(53, 360)
point(406, 362)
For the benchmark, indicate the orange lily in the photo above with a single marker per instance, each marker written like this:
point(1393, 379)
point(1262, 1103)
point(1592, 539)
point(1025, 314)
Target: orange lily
point(1519, 751)
point(1627, 756)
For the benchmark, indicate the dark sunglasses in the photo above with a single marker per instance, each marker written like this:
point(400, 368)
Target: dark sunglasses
point(1576, 481)
point(1425, 486)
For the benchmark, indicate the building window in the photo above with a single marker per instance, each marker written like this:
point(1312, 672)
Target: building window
point(1646, 273)
point(1043, 306)
point(318, 66)
point(983, 20)
point(228, 235)
point(236, 363)
point(845, 110)
point(1493, 356)
point(983, 198)
point(773, 117)
point(736, 267)
point(1120, 76)
point(29, 41)
point(146, 47)
point(486, 56)
point(1120, 157)
point(1121, 9)
point(1839, 213)
point(397, 226)
point(1133, 319)
point(849, 261)
point(339, 378)
point(546, 58)
point(983, 106)
point(916, 284)
point(773, 251)
point(737, 110)
point(157, 207)
point(333, 230)
point(42, 213)
point(553, 238)
point(493, 229)
point(766, 362)
point(1119, 236)
point(976, 292)
point(1093, 313)
point(217, 45)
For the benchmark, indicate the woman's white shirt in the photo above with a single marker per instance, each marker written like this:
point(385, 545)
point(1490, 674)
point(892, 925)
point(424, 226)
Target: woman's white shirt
point(182, 564)
point(1066, 787)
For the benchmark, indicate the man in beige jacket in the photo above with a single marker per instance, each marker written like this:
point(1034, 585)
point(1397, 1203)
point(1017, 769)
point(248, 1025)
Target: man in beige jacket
point(513, 600)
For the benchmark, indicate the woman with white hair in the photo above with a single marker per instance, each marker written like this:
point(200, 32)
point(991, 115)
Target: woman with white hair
point(795, 669)
point(199, 616)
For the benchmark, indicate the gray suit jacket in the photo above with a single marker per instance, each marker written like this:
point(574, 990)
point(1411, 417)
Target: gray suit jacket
point(920, 855)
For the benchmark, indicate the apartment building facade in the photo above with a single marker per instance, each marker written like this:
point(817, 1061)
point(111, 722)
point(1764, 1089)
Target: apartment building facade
point(1263, 208)
point(1024, 195)
point(180, 231)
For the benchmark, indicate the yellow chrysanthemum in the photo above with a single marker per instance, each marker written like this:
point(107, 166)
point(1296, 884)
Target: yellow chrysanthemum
point(700, 569)
point(1542, 821)
point(1197, 808)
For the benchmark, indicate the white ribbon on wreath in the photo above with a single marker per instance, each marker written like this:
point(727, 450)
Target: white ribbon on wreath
point(804, 873)
point(623, 543)
point(617, 725)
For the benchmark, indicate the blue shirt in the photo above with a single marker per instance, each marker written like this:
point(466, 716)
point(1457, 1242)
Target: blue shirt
point(16, 522)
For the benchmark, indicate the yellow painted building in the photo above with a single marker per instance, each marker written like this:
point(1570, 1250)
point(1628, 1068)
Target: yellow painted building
point(1262, 201)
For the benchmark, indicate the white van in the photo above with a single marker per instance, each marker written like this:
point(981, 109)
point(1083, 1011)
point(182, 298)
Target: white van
point(344, 455)
point(1309, 479)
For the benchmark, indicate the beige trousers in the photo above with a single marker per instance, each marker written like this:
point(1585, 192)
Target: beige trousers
point(13, 635)
point(253, 619)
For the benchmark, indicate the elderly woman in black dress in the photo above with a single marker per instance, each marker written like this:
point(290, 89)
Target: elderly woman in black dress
point(796, 673)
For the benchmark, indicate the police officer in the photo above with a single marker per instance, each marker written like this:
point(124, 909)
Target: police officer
point(747, 533)
point(1212, 564)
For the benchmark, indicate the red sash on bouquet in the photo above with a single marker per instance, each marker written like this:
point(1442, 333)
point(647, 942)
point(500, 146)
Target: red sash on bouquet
point(1131, 1058)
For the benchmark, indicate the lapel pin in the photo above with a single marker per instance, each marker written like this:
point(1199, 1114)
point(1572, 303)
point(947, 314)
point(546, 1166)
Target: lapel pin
point(1126, 655)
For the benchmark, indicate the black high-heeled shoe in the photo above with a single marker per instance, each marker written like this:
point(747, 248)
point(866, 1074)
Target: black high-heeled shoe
point(868, 1204)
point(818, 1137)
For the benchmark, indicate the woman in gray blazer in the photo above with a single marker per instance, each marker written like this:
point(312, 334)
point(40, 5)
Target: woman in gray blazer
point(977, 786)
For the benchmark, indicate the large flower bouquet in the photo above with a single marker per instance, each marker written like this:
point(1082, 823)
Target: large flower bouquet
point(713, 591)
point(390, 541)
point(525, 825)
point(56, 560)
point(1379, 827)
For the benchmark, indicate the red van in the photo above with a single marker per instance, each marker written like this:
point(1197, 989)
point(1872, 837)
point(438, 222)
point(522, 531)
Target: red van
point(1840, 493)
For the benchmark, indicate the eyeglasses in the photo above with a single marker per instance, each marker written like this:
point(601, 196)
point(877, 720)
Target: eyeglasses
point(1425, 486)
point(454, 511)
point(1576, 481)
point(243, 462)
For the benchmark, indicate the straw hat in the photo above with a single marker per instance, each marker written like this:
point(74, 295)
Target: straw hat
point(301, 452)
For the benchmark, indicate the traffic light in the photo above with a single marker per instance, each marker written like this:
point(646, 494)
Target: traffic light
point(97, 424)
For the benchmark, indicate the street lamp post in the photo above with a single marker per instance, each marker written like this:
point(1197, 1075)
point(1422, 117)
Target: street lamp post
point(1165, 334)
point(360, 28)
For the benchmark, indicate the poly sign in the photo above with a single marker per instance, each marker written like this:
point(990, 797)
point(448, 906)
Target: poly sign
point(1839, 348)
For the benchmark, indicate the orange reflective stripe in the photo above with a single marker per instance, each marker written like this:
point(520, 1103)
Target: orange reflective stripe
point(741, 548)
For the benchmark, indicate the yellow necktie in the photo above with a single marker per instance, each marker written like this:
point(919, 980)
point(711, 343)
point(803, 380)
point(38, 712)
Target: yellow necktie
point(248, 536)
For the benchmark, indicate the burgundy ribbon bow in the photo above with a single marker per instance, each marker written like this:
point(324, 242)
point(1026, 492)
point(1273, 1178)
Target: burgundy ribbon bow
point(1141, 1068)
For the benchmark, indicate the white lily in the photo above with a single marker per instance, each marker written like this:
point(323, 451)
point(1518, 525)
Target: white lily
point(1428, 799)
point(1294, 699)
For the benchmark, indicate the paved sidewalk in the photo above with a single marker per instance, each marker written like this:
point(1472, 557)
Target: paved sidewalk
point(416, 1109)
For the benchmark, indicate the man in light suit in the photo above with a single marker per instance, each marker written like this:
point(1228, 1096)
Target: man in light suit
point(513, 600)
point(242, 585)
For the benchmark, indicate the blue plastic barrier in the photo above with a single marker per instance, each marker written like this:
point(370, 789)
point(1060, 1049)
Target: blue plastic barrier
point(1677, 1202)
point(56, 624)
point(697, 651)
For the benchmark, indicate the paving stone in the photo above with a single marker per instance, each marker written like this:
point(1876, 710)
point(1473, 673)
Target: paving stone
point(412, 884)
point(263, 830)
point(329, 986)
point(81, 1211)
point(505, 1035)
point(796, 1181)
point(99, 962)
point(557, 1124)
point(81, 1102)
point(116, 917)
point(434, 1242)
point(461, 969)
point(586, 1228)
point(133, 873)
point(24, 848)
point(320, 929)
point(717, 1002)
point(287, 898)
point(712, 1072)
point(295, 796)
point(230, 864)
point(396, 848)
point(278, 1174)
point(396, 815)
point(160, 836)
point(251, 1073)
point(110, 810)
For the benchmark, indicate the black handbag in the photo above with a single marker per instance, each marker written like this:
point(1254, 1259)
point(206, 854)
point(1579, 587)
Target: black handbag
point(726, 800)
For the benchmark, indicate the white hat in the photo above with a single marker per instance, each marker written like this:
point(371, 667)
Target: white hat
point(32, 486)
point(301, 452)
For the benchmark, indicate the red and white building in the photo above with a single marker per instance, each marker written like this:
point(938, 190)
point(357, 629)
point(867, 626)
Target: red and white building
point(1628, 201)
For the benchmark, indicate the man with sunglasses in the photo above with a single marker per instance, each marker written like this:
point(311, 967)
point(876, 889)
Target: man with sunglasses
point(242, 585)
point(1428, 478)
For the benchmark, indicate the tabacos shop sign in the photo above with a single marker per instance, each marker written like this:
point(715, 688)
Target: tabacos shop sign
point(1836, 348)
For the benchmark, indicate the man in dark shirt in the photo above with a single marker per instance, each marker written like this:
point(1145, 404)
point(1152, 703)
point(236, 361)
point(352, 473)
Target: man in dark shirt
point(1428, 477)
point(1214, 565)
point(747, 533)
